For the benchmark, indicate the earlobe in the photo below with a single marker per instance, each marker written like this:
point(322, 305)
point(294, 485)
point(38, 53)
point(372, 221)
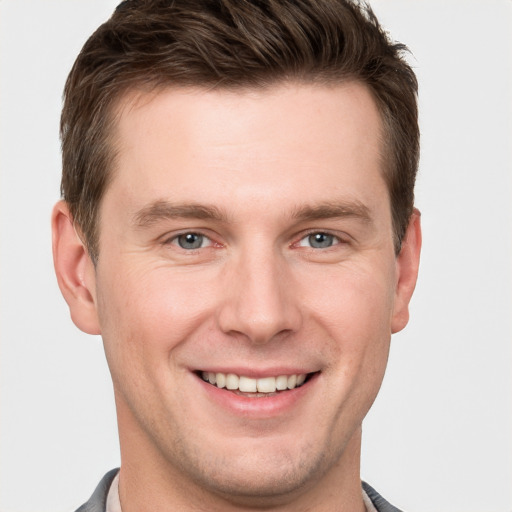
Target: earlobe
point(74, 270)
point(407, 263)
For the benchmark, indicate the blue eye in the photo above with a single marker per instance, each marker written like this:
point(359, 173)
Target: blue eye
point(319, 240)
point(192, 241)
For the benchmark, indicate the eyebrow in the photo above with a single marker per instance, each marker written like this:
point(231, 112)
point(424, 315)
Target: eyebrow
point(333, 210)
point(164, 210)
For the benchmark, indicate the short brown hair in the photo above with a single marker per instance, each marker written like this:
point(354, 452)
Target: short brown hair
point(231, 44)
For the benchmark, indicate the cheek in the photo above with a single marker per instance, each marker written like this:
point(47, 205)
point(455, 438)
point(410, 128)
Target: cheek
point(145, 318)
point(145, 315)
point(356, 310)
point(356, 303)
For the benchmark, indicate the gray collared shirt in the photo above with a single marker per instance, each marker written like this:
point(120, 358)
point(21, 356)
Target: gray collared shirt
point(106, 497)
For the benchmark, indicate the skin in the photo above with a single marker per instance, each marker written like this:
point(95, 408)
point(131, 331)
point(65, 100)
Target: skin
point(255, 173)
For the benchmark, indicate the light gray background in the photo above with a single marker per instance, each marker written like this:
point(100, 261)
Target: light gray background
point(439, 437)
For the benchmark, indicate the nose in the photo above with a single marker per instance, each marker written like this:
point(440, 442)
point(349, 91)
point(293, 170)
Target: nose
point(260, 301)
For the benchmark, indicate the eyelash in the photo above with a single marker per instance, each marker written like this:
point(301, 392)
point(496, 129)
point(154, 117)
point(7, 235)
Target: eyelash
point(175, 240)
point(335, 240)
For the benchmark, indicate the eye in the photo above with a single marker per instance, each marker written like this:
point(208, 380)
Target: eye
point(319, 240)
point(190, 241)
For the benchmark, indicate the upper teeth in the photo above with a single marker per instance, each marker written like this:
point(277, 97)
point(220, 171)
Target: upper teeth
point(249, 385)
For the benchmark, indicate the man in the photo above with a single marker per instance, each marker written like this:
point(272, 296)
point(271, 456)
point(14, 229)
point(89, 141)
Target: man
point(237, 223)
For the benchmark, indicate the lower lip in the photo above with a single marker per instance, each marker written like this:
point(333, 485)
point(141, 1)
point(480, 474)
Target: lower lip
point(257, 407)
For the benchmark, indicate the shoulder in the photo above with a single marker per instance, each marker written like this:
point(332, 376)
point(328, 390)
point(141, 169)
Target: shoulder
point(378, 501)
point(97, 502)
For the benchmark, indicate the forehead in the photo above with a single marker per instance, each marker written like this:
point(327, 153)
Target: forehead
point(180, 144)
point(346, 107)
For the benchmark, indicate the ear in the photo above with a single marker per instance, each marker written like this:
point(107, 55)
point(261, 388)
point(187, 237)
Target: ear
point(75, 270)
point(407, 264)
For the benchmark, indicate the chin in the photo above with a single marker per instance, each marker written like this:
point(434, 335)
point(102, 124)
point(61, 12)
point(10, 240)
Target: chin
point(261, 475)
point(268, 482)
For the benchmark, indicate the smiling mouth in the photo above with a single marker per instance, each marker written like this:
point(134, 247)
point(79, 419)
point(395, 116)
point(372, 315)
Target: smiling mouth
point(248, 386)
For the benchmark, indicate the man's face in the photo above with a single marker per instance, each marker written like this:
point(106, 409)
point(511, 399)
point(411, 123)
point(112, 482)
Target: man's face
point(247, 236)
